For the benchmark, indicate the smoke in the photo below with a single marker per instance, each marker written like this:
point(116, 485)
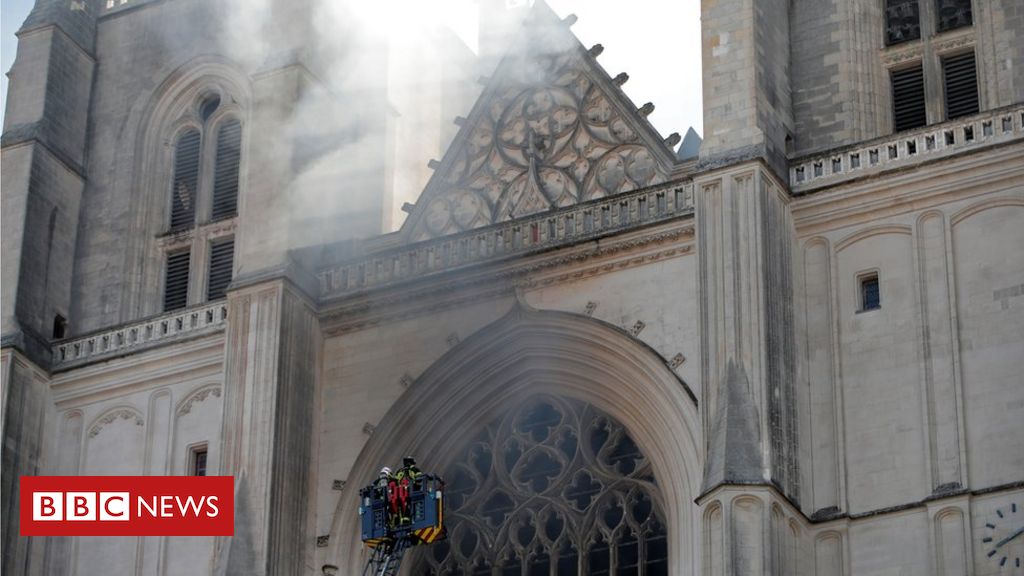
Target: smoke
point(388, 77)
point(380, 86)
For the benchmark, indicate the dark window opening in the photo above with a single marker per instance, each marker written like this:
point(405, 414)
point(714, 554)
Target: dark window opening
point(208, 107)
point(953, 14)
point(198, 462)
point(902, 21)
point(908, 105)
point(870, 297)
point(60, 327)
point(225, 177)
point(960, 83)
point(222, 256)
point(186, 180)
point(176, 281)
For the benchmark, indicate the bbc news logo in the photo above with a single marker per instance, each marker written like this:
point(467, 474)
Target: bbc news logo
point(127, 506)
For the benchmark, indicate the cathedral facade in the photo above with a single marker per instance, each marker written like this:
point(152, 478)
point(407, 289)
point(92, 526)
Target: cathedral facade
point(793, 348)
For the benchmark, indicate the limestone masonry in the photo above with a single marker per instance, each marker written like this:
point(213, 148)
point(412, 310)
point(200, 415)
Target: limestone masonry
point(238, 243)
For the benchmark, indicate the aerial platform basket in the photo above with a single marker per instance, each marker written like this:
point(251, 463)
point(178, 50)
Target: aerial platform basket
point(421, 523)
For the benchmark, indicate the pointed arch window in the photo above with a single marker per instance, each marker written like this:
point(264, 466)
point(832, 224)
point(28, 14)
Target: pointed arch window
point(555, 486)
point(186, 180)
point(199, 245)
point(225, 179)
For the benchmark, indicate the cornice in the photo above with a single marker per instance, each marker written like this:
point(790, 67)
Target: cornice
point(917, 188)
point(569, 264)
point(194, 359)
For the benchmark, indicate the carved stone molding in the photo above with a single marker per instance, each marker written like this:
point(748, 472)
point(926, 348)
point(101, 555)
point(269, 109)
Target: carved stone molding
point(896, 56)
point(123, 413)
point(141, 335)
point(198, 396)
point(528, 235)
point(551, 130)
point(910, 148)
point(371, 308)
point(953, 42)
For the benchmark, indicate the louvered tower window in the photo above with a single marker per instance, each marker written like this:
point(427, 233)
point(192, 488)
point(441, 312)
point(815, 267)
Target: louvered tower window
point(908, 108)
point(902, 21)
point(222, 254)
point(960, 81)
point(186, 180)
point(176, 281)
point(204, 187)
point(953, 14)
point(225, 179)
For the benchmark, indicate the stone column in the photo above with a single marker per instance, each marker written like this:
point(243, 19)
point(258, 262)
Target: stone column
point(745, 237)
point(273, 340)
point(24, 388)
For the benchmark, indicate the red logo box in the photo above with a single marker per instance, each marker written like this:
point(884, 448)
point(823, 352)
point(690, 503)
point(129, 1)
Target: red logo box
point(127, 506)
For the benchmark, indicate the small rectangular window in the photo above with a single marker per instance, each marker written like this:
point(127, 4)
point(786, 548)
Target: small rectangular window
point(960, 82)
point(222, 256)
point(953, 14)
point(902, 21)
point(197, 466)
point(176, 280)
point(908, 109)
point(870, 298)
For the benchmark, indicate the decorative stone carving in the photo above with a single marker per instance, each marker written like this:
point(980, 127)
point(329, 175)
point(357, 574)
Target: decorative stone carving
point(894, 56)
point(953, 43)
point(198, 396)
point(125, 413)
point(637, 328)
point(553, 482)
point(550, 137)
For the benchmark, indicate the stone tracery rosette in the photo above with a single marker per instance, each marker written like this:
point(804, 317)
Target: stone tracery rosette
point(550, 137)
point(554, 483)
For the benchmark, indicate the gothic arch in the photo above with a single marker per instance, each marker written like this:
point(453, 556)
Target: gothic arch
point(121, 412)
point(169, 109)
point(528, 353)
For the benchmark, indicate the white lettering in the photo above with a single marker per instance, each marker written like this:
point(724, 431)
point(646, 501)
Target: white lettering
point(211, 502)
point(144, 504)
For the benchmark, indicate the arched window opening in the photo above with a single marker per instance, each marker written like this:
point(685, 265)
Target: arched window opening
point(186, 180)
point(204, 198)
point(554, 486)
point(208, 106)
point(225, 179)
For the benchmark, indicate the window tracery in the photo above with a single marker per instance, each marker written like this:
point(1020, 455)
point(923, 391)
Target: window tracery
point(553, 487)
point(200, 202)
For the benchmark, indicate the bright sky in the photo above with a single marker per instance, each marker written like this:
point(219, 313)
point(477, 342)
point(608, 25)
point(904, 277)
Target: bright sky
point(656, 42)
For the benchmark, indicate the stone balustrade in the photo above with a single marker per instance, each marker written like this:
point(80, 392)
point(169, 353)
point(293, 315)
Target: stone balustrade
point(137, 336)
point(542, 231)
point(906, 148)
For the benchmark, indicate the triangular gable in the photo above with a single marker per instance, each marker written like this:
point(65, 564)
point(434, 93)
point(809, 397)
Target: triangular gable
point(551, 129)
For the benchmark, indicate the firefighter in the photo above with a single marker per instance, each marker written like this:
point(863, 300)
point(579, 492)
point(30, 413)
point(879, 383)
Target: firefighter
point(404, 478)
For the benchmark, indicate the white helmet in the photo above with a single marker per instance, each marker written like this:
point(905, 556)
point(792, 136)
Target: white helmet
point(385, 471)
